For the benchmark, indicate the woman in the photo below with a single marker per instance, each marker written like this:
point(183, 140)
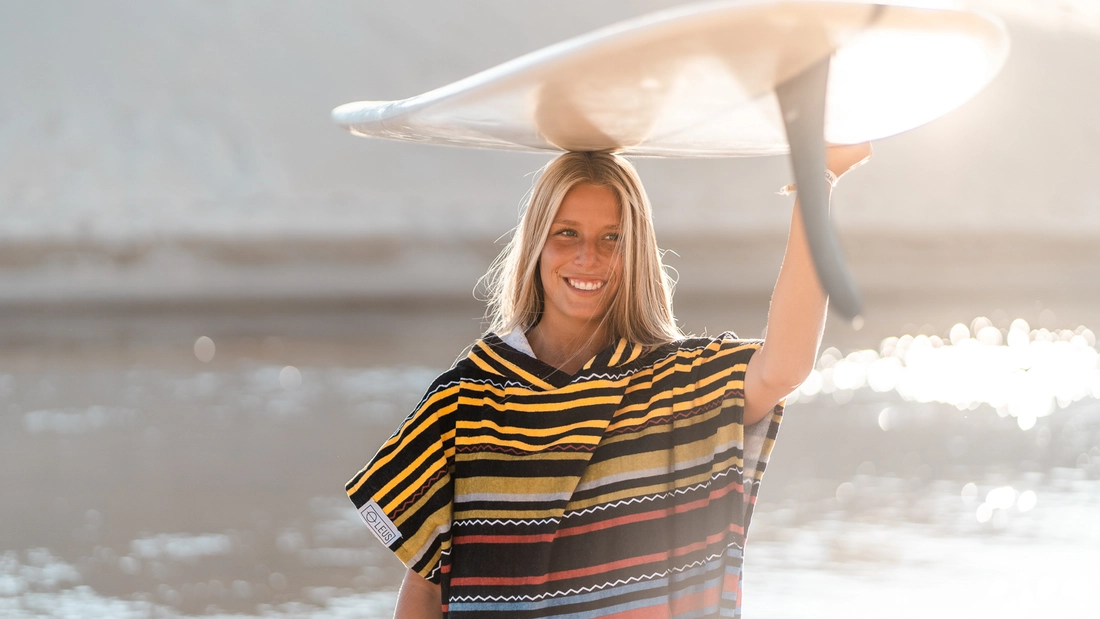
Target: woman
point(585, 459)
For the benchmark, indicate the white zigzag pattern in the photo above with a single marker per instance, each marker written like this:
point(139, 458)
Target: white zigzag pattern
point(594, 376)
point(538, 521)
point(438, 566)
point(651, 497)
point(605, 506)
point(489, 381)
point(626, 581)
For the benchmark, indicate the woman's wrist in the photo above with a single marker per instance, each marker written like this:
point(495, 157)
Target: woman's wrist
point(790, 188)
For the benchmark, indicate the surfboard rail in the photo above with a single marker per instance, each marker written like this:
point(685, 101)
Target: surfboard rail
point(721, 79)
point(699, 81)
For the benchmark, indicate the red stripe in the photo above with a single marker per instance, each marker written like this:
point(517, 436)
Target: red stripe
point(545, 578)
point(603, 524)
point(504, 539)
point(711, 539)
point(732, 582)
point(428, 485)
point(587, 571)
point(549, 537)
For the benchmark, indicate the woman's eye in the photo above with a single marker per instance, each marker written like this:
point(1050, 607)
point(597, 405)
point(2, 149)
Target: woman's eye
point(567, 232)
point(614, 236)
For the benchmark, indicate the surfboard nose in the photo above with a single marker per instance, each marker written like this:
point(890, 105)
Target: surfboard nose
point(360, 113)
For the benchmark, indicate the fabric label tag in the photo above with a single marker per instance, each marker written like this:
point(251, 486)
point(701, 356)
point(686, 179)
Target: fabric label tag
point(378, 523)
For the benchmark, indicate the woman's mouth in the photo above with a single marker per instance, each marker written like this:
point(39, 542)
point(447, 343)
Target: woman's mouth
point(586, 285)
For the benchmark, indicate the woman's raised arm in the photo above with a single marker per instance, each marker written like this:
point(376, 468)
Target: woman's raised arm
point(796, 318)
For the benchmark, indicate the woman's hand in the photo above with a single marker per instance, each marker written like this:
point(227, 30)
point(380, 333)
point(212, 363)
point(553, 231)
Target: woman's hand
point(841, 158)
point(796, 319)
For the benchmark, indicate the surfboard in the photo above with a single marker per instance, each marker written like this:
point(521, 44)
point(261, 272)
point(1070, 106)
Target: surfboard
point(721, 79)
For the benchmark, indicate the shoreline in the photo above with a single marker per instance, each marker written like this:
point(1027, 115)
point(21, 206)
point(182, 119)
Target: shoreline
point(392, 270)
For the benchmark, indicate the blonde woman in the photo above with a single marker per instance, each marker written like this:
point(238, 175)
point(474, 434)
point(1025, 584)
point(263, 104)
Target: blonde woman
point(585, 459)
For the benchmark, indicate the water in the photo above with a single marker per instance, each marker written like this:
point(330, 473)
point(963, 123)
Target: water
point(141, 481)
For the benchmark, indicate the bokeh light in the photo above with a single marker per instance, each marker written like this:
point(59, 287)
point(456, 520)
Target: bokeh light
point(969, 492)
point(1020, 372)
point(204, 349)
point(290, 378)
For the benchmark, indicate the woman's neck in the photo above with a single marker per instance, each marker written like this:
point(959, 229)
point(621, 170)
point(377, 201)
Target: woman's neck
point(565, 348)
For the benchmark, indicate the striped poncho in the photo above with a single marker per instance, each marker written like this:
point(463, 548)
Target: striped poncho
point(621, 491)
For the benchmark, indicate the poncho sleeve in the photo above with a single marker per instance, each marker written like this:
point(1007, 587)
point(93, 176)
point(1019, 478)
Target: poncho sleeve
point(405, 493)
point(728, 357)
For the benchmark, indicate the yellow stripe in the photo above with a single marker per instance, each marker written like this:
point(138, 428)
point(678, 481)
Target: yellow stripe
point(635, 353)
point(572, 388)
point(403, 439)
point(492, 440)
point(381, 462)
point(514, 485)
point(485, 424)
point(504, 457)
point(682, 482)
point(664, 411)
point(618, 352)
point(485, 366)
point(661, 370)
point(415, 486)
point(418, 505)
point(550, 407)
point(701, 396)
point(672, 393)
point(515, 369)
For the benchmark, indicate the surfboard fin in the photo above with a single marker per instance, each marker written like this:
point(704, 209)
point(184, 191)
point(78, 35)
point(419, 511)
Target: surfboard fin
point(802, 103)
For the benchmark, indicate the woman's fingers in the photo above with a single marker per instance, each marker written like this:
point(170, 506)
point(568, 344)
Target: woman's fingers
point(841, 158)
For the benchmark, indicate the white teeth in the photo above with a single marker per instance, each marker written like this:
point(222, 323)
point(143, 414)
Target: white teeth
point(579, 285)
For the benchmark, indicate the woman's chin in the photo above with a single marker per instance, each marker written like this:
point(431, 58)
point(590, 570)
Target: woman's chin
point(588, 318)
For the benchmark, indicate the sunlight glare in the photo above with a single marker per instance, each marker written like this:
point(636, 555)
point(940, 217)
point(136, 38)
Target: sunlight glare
point(812, 385)
point(1001, 498)
point(889, 80)
point(984, 512)
point(1020, 372)
point(1027, 501)
point(959, 333)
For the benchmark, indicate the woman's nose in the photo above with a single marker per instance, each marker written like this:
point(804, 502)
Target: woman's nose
point(587, 254)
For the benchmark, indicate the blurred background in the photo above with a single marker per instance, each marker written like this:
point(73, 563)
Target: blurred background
point(215, 305)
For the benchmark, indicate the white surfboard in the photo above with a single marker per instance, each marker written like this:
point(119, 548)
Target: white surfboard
point(733, 78)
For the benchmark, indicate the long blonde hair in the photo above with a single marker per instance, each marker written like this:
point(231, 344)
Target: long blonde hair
point(641, 311)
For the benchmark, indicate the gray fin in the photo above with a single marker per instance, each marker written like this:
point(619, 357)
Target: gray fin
point(802, 102)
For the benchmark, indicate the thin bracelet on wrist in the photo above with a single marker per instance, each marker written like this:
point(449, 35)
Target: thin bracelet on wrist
point(787, 190)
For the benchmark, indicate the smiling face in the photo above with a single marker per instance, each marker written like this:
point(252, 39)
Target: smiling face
point(580, 267)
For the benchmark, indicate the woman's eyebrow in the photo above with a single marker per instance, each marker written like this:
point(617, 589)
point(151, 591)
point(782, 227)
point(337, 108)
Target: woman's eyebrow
point(570, 222)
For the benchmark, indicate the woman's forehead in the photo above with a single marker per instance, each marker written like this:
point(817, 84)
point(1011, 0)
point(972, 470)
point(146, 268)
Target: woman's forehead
point(588, 203)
